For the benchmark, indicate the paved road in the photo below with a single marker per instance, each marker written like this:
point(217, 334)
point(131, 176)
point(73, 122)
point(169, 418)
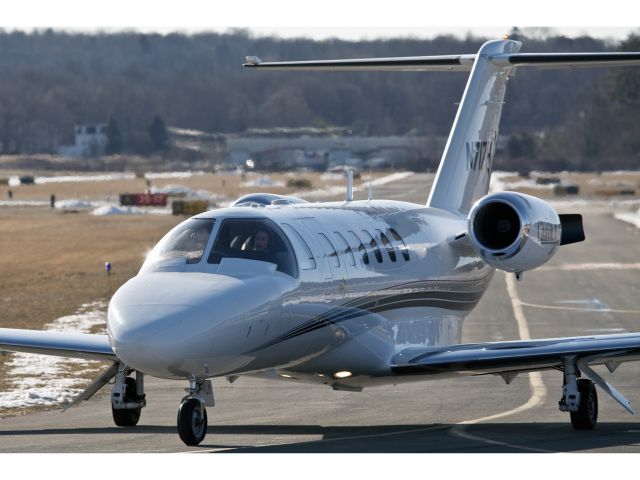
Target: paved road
point(574, 294)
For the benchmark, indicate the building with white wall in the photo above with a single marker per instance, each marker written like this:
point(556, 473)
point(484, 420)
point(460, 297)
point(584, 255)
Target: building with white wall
point(90, 141)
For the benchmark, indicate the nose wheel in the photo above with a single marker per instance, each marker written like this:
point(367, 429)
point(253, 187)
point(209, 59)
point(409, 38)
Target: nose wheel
point(192, 414)
point(192, 421)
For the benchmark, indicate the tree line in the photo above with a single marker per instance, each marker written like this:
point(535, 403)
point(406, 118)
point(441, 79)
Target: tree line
point(138, 83)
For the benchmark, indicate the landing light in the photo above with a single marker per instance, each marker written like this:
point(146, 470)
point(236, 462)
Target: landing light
point(343, 374)
point(284, 375)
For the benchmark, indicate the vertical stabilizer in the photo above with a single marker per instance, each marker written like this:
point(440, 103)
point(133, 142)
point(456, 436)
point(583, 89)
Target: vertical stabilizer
point(465, 169)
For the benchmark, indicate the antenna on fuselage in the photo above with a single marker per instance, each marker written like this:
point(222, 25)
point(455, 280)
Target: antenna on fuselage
point(370, 187)
point(349, 185)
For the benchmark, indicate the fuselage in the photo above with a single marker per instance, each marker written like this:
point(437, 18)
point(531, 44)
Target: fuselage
point(340, 289)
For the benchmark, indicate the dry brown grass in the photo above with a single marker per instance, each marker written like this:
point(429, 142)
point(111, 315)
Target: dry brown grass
point(229, 186)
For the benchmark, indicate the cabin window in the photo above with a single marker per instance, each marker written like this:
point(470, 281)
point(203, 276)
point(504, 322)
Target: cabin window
point(187, 240)
point(330, 250)
point(373, 245)
point(307, 262)
point(346, 248)
point(387, 244)
point(254, 239)
point(403, 246)
point(361, 250)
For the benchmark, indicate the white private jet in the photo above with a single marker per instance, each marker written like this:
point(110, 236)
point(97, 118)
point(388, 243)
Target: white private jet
point(349, 294)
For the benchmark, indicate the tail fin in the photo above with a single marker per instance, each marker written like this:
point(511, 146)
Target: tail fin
point(465, 169)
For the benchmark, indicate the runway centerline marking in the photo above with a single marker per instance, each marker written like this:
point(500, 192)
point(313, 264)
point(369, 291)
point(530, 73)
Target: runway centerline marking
point(538, 388)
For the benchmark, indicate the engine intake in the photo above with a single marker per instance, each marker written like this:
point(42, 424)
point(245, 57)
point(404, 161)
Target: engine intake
point(513, 231)
point(497, 225)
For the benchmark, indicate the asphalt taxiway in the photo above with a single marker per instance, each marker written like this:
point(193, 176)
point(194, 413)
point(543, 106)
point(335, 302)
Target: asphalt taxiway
point(588, 288)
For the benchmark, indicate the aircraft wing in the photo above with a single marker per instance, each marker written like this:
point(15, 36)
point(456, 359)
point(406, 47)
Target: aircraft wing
point(61, 344)
point(516, 356)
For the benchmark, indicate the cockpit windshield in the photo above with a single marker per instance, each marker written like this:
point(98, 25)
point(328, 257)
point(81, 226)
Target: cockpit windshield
point(187, 240)
point(251, 239)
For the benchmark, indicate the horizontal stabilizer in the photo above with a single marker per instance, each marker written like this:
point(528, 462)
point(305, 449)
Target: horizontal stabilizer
point(573, 60)
point(439, 63)
point(572, 229)
point(458, 63)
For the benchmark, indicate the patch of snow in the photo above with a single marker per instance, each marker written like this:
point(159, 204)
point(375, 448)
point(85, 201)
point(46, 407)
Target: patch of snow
point(49, 380)
point(630, 217)
point(394, 177)
point(621, 172)
point(587, 203)
point(161, 175)
point(330, 176)
point(23, 203)
point(184, 191)
point(341, 189)
point(322, 192)
point(107, 177)
point(111, 209)
point(76, 204)
point(498, 183)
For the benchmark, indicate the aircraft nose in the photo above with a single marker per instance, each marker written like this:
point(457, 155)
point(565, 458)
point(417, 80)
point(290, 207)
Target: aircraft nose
point(156, 324)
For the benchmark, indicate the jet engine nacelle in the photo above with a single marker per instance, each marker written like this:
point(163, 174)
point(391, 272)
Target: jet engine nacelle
point(514, 232)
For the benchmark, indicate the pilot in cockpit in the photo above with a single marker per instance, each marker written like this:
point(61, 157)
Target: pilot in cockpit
point(261, 240)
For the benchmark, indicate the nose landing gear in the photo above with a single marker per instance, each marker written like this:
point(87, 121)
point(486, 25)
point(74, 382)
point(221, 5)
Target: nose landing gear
point(192, 414)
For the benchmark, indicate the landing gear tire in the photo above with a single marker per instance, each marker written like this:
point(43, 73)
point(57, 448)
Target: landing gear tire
point(587, 415)
point(192, 421)
point(127, 417)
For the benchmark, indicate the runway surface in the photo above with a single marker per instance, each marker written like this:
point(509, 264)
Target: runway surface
point(589, 288)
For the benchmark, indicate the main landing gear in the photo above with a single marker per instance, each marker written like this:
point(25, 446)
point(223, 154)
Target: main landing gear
point(192, 414)
point(127, 398)
point(579, 398)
